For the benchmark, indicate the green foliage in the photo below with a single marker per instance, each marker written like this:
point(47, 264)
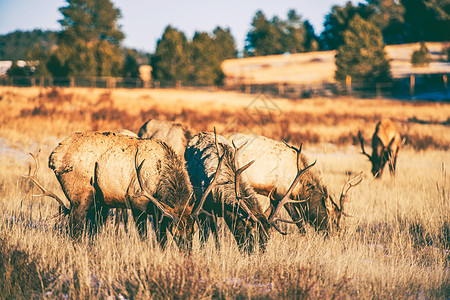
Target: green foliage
point(421, 57)
point(14, 46)
point(171, 58)
point(427, 20)
point(279, 36)
point(16, 70)
point(89, 43)
point(131, 66)
point(197, 61)
point(362, 54)
point(337, 22)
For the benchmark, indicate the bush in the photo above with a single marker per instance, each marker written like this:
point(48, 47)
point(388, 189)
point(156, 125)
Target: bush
point(421, 57)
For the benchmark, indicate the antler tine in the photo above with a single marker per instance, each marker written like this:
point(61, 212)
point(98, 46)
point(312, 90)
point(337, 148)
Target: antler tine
point(161, 206)
point(212, 184)
point(361, 141)
point(237, 177)
point(352, 182)
point(273, 218)
point(45, 192)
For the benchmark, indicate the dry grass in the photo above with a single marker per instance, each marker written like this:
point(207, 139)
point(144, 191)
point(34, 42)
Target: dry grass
point(396, 245)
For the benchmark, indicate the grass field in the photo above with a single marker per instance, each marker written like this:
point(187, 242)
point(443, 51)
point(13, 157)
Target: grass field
point(396, 244)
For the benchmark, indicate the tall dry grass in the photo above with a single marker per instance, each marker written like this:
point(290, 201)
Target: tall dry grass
point(395, 244)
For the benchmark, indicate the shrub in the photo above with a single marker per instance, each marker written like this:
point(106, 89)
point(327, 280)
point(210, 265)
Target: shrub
point(421, 57)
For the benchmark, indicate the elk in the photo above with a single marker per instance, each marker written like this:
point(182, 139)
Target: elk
point(275, 167)
point(232, 198)
point(102, 170)
point(173, 134)
point(386, 142)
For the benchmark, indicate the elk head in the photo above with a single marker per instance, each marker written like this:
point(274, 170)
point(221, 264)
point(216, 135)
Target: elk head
point(318, 207)
point(183, 214)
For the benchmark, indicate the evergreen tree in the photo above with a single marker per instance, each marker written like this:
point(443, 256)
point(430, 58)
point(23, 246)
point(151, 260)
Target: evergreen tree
point(131, 65)
point(311, 40)
point(263, 38)
point(293, 33)
point(389, 17)
point(171, 58)
point(421, 57)
point(204, 60)
point(362, 54)
point(337, 21)
point(89, 42)
point(427, 20)
point(225, 44)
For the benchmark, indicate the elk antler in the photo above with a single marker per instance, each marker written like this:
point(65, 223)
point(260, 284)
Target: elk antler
point(237, 179)
point(352, 182)
point(286, 198)
point(45, 192)
point(212, 184)
point(361, 141)
point(166, 210)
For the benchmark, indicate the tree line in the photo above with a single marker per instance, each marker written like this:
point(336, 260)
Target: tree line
point(90, 41)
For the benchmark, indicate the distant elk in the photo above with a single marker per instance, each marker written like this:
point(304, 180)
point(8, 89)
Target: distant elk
point(386, 142)
point(102, 170)
point(173, 134)
point(275, 167)
point(232, 198)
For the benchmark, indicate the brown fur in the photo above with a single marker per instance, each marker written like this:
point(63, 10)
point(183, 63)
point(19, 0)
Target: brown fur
point(275, 166)
point(173, 134)
point(386, 142)
point(202, 158)
point(97, 172)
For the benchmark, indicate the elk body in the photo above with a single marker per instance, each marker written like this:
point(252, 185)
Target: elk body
point(102, 170)
point(173, 134)
point(386, 142)
point(233, 198)
point(274, 169)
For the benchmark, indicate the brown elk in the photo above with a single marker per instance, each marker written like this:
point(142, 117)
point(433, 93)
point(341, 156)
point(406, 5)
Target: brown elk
point(275, 167)
point(173, 134)
point(102, 170)
point(233, 198)
point(386, 142)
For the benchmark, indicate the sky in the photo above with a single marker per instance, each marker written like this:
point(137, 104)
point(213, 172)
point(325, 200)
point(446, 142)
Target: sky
point(143, 21)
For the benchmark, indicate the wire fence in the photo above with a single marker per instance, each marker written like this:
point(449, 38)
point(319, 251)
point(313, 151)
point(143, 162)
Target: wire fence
point(424, 86)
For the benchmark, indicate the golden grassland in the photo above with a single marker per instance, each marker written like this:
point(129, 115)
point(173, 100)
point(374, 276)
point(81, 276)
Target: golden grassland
point(395, 244)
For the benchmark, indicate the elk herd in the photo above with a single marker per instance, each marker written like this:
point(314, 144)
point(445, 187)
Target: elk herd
point(187, 183)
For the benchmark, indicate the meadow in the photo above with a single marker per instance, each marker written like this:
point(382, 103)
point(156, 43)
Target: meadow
point(394, 244)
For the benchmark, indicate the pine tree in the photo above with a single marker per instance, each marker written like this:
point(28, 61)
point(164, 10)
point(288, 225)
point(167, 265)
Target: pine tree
point(89, 42)
point(362, 54)
point(171, 58)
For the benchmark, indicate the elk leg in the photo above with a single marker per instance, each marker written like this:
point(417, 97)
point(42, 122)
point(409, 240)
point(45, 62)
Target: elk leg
point(140, 218)
point(78, 217)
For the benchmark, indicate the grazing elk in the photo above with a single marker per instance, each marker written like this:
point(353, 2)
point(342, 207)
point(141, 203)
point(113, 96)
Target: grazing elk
point(233, 198)
point(275, 167)
point(173, 134)
point(386, 142)
point(102, 170)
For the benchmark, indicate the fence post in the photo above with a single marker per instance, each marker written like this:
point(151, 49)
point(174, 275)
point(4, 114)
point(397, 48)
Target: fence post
point(412, 84)
point(280, 88)
point(444, 78)
point(72, 82)
point(348, 83)
point(178, 85)
point(247, 89)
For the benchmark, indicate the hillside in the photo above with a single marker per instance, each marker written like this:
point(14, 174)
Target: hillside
point(319, 67)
